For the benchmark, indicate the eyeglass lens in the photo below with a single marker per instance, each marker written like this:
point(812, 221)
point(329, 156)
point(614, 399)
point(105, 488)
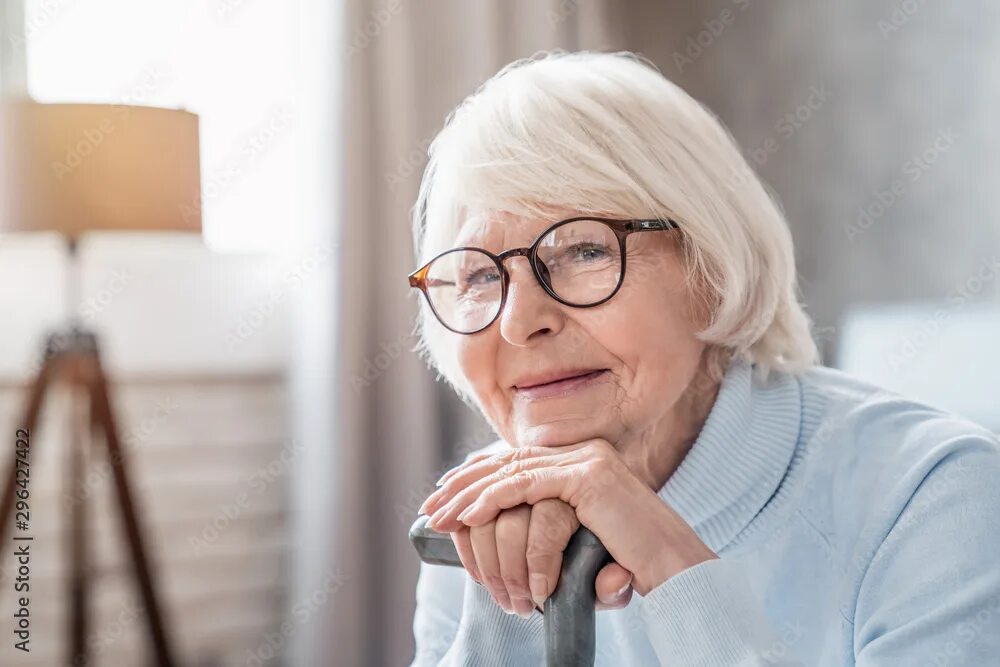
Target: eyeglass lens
point(579, 261)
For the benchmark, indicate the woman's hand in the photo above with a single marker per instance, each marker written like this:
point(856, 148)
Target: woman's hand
point(517, 556)
point(641, 532)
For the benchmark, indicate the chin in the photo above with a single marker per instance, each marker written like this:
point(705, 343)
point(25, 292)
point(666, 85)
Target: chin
point(558, 434)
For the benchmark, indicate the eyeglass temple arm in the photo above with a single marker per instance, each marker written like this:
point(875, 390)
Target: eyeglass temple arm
point(651, 225)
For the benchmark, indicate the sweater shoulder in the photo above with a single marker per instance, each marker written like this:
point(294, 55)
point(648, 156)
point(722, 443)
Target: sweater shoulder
point(880, 423)
point(879, 449)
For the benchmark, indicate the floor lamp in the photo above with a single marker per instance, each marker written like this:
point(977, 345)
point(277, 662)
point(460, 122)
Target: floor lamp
point(74, 169)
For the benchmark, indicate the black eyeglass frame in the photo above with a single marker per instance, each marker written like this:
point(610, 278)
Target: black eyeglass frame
point(621, 229)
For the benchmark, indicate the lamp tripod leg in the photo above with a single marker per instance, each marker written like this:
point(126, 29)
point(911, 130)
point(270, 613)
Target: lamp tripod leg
point(32, 409)
point(101, 410)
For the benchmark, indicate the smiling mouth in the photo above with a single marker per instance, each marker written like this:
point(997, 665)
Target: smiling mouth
point(562, 386)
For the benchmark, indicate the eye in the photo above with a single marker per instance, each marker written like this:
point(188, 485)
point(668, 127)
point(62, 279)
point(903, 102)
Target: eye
point(585, 253)
point(590, 252)
point(479, 277)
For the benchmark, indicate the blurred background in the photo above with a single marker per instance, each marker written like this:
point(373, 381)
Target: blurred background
point(278, 430)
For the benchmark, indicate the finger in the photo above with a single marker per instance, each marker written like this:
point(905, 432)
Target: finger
point(444, 518)
point(440, 493)
point(474, 458)
point(512, 544)
point(613, 587)
point(463, 545)
point(529, 487)
point(552, 524)
point(467, 476)
point(484, 546)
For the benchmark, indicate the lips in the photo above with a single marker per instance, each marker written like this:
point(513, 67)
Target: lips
point(531, 381)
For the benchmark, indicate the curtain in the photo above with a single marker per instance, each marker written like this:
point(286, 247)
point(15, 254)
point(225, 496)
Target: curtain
point(405, 65)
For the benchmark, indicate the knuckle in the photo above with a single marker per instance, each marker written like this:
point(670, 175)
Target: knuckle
point(518, 586)
point(508, 528)
point(601, 450)
point(541, 551)
point(509, 469)
point(522, 453)
point(553, 517)
point(524, 479)
point(599, 471)
point(544, 561)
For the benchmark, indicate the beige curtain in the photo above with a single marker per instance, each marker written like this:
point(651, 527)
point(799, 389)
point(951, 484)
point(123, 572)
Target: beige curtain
point(407, 64)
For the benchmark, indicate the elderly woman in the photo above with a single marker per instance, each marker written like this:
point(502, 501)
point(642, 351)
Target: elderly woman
point(610, 284)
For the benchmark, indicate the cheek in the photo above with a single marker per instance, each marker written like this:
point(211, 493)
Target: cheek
point(651, 332)
point(477, 359)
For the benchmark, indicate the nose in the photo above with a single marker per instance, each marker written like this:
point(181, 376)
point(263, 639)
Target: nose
point(529, 313)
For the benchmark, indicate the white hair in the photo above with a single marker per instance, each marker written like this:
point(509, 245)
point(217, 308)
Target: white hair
point(604, 133)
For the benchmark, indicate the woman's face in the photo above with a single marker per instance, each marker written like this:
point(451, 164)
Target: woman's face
point(639, 347)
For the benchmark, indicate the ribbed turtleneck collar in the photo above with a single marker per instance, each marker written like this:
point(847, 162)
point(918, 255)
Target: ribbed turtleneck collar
point(740, 456)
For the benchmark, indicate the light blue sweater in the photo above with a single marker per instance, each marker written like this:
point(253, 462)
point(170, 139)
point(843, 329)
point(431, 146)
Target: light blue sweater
point(853, 526)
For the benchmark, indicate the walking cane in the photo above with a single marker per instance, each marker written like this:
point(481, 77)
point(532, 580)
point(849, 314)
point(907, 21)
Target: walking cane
point(569, 611)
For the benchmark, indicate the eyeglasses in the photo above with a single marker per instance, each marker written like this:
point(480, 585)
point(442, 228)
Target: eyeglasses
point(579, 262)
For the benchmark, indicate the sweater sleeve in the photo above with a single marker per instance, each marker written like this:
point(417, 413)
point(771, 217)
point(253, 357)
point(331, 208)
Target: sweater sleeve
point(438, 612)
point(709, 615)
point(458, 623)
point(931, 593)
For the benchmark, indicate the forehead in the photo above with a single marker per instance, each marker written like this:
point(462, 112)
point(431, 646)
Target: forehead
point(503, 229)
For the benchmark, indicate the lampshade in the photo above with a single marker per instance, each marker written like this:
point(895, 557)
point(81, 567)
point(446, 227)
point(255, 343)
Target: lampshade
point(75, 168)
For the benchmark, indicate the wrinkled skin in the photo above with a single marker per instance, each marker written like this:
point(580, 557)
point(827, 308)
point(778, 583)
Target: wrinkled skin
point(619, 439)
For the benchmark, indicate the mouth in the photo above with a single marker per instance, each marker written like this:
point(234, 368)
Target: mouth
point(559, 385)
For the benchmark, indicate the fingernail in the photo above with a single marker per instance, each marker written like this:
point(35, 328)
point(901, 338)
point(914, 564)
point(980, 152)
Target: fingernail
point(464, 513)
point(523, 607)
point(539, 586)
point(429, 502)
point(438, 516)
point(621, 591)
point(504, 602)
point(440, 481)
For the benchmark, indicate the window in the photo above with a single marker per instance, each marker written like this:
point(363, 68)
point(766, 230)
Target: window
point(233, 62)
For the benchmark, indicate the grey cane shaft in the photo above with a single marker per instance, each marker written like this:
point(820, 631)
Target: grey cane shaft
point(569, 611)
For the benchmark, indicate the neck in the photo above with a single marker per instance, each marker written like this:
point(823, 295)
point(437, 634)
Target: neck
point(655, 454)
